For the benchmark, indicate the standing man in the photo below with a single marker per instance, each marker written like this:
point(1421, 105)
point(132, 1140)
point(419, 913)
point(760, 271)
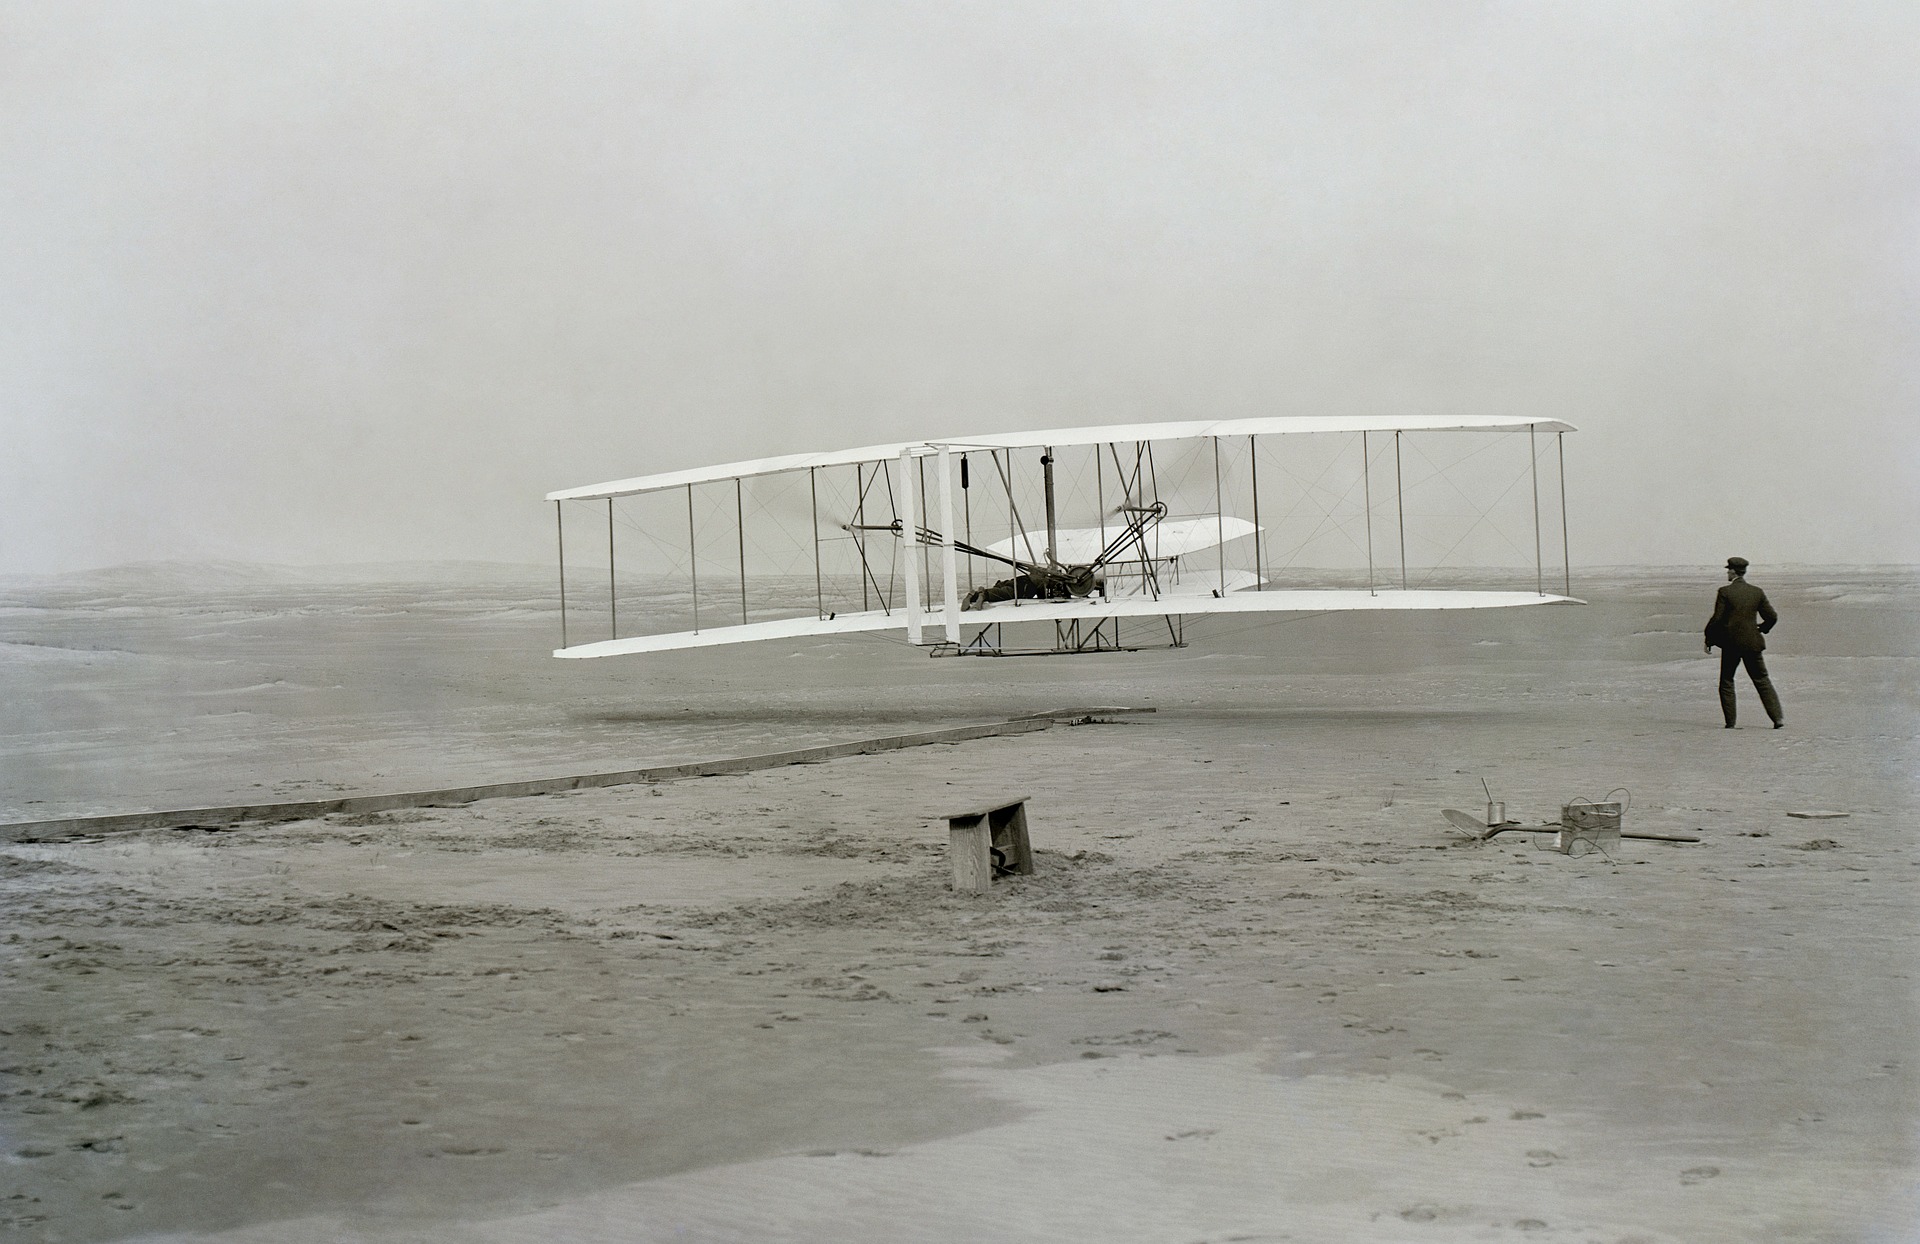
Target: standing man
point(1735, 632)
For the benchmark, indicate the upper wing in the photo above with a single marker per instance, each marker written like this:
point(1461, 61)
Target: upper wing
point(1118, 432)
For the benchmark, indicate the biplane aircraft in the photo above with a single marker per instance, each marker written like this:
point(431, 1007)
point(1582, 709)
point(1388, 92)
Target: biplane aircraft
point(1094, 539)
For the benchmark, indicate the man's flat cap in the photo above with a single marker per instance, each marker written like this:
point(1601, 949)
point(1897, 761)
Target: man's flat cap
point(1736, 563)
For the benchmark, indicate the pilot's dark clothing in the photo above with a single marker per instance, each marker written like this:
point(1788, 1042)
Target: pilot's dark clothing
point(1741, 617)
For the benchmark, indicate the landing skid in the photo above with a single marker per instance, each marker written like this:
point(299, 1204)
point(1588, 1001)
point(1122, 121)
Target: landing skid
point(1070, 638)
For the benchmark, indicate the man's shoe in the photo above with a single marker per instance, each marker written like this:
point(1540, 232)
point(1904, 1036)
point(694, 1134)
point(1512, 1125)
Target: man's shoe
point(1731, 726)
point(1779, 725)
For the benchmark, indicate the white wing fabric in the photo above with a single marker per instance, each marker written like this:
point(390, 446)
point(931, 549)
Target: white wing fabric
point(1170, 537)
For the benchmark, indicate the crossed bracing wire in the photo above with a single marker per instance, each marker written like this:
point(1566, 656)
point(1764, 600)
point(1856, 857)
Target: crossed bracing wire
point(1311, 489)
point(1478, 514)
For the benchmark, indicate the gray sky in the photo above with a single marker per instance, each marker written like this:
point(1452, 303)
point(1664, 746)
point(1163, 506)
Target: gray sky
point(356, 281)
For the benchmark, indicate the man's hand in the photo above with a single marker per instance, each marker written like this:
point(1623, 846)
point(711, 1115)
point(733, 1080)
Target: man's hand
point(1709, 649)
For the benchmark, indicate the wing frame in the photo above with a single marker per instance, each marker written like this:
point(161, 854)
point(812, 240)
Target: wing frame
point(936, 600)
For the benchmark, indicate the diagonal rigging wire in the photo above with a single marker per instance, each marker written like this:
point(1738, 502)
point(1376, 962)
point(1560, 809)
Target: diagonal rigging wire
point(1441, 560)
point(867, 576)
point(1196, 463)
point(762, 507)
point(1014, 507)
point(1133, 493)
point(1441, 471)
point(674, 554)
point(1326, 517)
point(1309, 489)
point(1473, 510)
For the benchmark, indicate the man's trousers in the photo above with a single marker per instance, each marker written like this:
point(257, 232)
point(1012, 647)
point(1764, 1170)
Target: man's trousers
point(1730, 660)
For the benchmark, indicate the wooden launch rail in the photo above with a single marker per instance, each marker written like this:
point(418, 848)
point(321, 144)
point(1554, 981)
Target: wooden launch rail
point(187, 818)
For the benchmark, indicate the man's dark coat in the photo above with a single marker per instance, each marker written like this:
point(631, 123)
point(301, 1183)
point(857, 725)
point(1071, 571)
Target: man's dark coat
point(1733, 626)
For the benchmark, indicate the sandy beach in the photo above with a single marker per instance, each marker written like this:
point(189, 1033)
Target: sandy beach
point(1256, 989)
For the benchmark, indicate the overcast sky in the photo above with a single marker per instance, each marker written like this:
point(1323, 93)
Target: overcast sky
point(349, 281)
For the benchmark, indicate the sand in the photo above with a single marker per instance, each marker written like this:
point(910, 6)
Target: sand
point(1257, 988)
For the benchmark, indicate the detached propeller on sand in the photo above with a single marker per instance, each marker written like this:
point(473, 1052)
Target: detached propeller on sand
point(1473, 827)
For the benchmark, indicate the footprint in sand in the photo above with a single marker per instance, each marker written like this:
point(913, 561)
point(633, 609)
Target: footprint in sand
point(1698, 1174)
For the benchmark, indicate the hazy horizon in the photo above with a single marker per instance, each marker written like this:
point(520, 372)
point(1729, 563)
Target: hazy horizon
point(322, 283)
point(1710, 574)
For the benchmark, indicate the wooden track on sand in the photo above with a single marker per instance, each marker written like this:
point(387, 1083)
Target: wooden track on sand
point(214, 818)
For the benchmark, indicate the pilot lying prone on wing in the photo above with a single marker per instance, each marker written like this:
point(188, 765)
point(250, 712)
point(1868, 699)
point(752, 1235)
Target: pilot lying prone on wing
point(1038, 583)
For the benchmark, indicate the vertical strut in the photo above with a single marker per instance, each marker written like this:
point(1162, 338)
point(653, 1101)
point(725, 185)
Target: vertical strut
point(1013, 526)
point(740, 530)
point(1100, 496)
point(859, 521)
point(1400, 500)
point(1259, 567)
point(966, 506)
point(1566, 557)
point(560, 530)
point(910, 532)
point(1366, 476)
point(613, 588)
point(1533, 466)
point(1046, 471)
point(813, 499)
point(949, 573)
point(1219, 517)
point(894, 554)
point(926, 570)
point(693, 561)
